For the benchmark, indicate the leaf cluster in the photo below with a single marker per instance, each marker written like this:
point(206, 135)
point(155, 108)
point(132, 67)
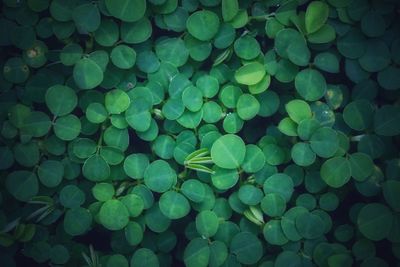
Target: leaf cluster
point(200, 133)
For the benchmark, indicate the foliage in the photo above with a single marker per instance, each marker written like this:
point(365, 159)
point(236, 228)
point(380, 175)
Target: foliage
point(199, 133)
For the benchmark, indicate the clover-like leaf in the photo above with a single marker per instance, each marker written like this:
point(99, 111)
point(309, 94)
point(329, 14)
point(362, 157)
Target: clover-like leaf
point(228, 151)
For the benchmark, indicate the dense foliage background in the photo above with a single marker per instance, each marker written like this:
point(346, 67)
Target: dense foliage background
point(199, 133)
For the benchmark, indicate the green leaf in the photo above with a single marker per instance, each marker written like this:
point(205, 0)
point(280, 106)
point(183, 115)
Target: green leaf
point(103, 191)
point(222, 57)
point(247, 106)
point(199, 168)
point(192, 98)
point(36, 124)
point(246, 247)
point(373, 24)
point(138, 115)
point(391, 192)
point(274, 154)
point(376, 57)
point(123, 56)
point(218, 253)
point(117, 260)
point(352, 44)
point(193, 190)
point(302, 154)
point(113, 215)
point(298, 53)
point(72, 196)
point(288, 257)
point(96, 113)
point(70, 54)
point(250, 73)
point(298, 110)
point(336, 172)
point(96, 169)
point(254, 159)
point(247, 47)
point(203, 25)
point(250, 195)
point(273, 204)
point(387, 120)
point(288, 223)
point(174, 205)
point(207, 223)
point(285, 38)
point(22, 185)
point(196, 253)
point(229, 9)
point(280, 184)
point(197, 153)
point(135, 165)
point(172, 50)
point(324, 35)
point(50, 173)
point(26, 155)
point(59, 254)
point(309, 226)
point(389, 78)
point(133, 234)
point(15, 70)
point(228, 151)
point(361, 165)
point(159, 176)
point(288, 127)
point(117, 101)
point(126, 10)
point(327, 61)
point(324, 142)
point(201, 160)
point(374, 221)
point(6, 158)
point(107, 34)
point(87, 74)
point(261, 86)
point(224, 178)
point(61, 100)
point(316, 15)
point(273, 233)
point(77, 221)
point(134, 202)
point(86, 17)
point(358, 115)
point(310, 84)
point(144, 257)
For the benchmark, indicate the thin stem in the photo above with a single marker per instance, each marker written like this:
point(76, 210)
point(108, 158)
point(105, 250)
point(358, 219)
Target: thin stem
point(100, 141)
point(263, 17)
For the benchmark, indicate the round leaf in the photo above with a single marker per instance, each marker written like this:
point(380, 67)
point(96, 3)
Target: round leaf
point(22, 185)
point(374, 221)
point(61, 100)
point(113, 215)
point(126, 10)
point(310, 84)
point(246, 247)
point(87, 74)
point(336, 171)
point(159, 176)
point(228, 151)
point(174, 205)
point(203, 25)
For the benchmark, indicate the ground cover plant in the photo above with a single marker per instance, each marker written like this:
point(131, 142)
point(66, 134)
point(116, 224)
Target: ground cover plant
point(199, 133)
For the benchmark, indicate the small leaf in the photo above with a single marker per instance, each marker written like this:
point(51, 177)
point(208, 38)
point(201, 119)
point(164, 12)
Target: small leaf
point(316, 15)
